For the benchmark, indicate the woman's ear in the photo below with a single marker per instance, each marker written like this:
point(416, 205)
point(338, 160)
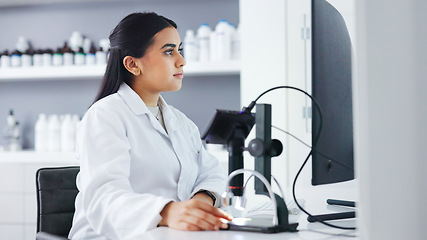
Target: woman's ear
point(131, 65)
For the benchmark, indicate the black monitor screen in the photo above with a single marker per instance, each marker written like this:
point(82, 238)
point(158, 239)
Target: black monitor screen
point(332, 88)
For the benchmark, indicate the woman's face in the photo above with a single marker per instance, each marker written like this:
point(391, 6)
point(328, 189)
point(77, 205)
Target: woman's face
point(162, 65)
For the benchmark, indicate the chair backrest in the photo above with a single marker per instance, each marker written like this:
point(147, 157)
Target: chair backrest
point(56, 193)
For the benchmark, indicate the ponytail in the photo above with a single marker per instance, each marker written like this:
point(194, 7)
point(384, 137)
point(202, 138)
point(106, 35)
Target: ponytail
point(115, 74)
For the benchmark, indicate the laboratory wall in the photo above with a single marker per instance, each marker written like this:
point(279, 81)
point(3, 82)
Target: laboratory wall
point(50, 25)
point(390, 119)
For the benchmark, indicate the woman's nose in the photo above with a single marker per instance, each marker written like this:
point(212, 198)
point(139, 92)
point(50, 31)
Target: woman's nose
point(181, 61)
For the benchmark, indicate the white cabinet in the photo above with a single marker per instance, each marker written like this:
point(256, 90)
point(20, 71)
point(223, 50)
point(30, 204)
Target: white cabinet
point(18, 206)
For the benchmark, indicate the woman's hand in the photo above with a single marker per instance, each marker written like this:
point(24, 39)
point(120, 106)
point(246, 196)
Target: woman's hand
point(193, 215)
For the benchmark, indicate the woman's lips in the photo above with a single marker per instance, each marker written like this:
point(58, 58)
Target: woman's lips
point(179, 75)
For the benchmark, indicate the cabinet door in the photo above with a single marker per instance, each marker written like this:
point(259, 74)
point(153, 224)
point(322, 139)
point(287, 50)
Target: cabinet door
point(275, 54)
point(298, 27)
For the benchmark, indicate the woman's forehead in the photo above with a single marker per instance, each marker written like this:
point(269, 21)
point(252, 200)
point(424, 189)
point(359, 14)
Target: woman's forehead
point(167, 35)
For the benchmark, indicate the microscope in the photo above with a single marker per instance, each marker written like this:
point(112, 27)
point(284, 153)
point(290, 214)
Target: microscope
point(231, 128)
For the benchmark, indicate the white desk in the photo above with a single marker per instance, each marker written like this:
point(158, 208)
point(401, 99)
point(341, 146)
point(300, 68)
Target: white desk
point(307, 231)
point(315, 202)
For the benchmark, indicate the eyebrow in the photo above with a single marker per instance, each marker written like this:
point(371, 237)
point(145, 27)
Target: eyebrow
point(172, 45)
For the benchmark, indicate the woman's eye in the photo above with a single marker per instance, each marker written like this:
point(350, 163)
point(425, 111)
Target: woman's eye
point(170, 51)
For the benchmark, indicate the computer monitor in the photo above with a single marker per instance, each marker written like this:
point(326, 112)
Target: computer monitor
point(332, 159)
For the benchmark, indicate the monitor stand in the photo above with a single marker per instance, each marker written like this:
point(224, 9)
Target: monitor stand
point(335, 216)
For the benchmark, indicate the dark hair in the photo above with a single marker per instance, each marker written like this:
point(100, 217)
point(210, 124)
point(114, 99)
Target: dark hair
point(131, 37)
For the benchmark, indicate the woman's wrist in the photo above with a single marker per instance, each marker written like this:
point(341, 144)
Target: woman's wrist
point(205, 196)
point(164, 214)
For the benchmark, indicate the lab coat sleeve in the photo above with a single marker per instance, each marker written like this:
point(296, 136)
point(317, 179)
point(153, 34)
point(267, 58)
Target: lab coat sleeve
point(110, 205)
point(212, 176)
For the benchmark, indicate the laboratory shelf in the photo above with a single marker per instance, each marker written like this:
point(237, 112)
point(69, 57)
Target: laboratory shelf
point(31, 156)
point(97, 71)
point(212, 68)
point(51, 73)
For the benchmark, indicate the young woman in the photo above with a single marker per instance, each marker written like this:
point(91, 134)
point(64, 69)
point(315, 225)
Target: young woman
point(142, 163)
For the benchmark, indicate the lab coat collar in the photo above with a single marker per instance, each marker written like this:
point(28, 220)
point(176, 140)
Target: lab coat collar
point(138, 107)
point(132, 99)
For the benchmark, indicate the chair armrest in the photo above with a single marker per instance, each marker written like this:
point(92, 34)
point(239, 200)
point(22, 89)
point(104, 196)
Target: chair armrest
point(49, 236)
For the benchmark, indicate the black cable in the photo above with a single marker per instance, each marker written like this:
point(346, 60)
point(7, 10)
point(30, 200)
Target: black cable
point(249, 109)
point(302, 209)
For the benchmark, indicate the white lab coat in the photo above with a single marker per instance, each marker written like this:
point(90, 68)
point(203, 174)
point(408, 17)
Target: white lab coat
point(131, 168)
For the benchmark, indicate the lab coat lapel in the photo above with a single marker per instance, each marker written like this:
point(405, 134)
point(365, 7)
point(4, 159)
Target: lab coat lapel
point(171, 121)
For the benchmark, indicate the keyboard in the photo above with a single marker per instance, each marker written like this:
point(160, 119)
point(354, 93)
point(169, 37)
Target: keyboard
point(266, 208)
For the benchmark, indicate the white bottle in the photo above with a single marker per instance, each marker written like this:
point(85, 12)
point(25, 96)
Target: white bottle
point(5, 59)
point(22, 44)
point(76, 41)
point(76, 122)
point(213, 46)
point(27, 59)
point(68, 131)
point(47, 57)
point(68, 58)
point(101, 57)
point(67, 55)
point(40, 133)
point(190, 46)
point(15, 58)
point(235, 44)
point(38, 58)
point(79, 57)
point(91, 57)
point(15, 144)
point(57, 58)
point(222, 30)
point(203, 37)
point(87, 45)
point(104, 44)
point(9, 129)
point(54, 134)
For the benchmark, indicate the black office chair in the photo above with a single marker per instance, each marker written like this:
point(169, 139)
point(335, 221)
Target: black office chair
point(56, 193)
